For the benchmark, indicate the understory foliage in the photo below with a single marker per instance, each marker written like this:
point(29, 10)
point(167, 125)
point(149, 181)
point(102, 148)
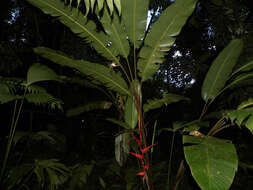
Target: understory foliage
point(132, 50)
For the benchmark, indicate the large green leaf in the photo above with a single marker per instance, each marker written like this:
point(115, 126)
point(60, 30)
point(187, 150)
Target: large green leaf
point(167, 99)
point(79, 25)
point(221, 70)
point(88, 107)
point(213, 162)
point(99, 73)
point(38, 73)
point(131, 114)
point(134, 13)
point(162, 36)
point(115, 30)
point(241, 117)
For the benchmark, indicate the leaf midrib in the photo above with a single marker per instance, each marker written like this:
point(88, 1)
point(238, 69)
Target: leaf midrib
point(217, 76)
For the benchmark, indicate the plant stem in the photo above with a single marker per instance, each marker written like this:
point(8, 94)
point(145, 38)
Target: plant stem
point(12, 133)
point(170, 159)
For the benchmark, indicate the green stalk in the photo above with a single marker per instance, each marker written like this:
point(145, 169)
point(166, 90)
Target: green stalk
point(170, 159)
point(12, 133)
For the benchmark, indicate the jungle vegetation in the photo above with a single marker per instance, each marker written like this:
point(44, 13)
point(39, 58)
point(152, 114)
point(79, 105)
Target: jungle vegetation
point(136, 94)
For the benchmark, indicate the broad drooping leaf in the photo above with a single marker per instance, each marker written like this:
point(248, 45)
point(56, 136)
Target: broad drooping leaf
point(162, 36)
point(241, 117)
point(134, 13)
point(38, 73)
point(99, 73)
point(167, 99)
point(88, 107)
point(221, 70)
point(131, 114)
point(122, 148)
point(213, 162)
point(79, 25)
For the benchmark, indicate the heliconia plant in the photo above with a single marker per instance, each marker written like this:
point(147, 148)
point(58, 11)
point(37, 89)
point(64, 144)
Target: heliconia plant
point(133, 54)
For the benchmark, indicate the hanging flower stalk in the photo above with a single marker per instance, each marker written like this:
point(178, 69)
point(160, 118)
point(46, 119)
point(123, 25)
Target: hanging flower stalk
point(141, 141)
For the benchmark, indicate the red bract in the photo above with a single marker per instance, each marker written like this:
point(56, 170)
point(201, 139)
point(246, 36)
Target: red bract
point(137, 140)
point(141, 173)
point(147, 148)
point(146, 166)
point(140, 156)
point(142, 149)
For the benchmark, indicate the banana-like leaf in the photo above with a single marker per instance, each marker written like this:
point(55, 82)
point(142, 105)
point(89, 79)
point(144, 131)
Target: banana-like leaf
point(88, 107)
point(98, 73)
point(213, 162)
point(122, 148)
point(79, 25)
point(38, 72)
point(244, 68)
point(167, 99)
point(221, 70)
point(134, 14)
point(115, 30)
point(131, 114)
point(162, 36)
point(241, 117)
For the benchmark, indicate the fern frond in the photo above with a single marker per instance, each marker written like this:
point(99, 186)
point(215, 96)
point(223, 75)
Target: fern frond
point(99, 73)
point(79, 175)
point(6, 95)
point(12, 83)
point(51, 173)
point(39, 96)
point(162, 36)
point(79, 25)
